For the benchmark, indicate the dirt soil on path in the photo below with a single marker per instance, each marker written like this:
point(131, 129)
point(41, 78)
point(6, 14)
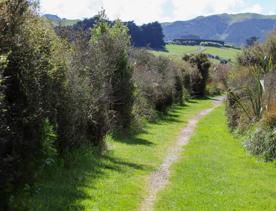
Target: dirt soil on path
point(159, 179)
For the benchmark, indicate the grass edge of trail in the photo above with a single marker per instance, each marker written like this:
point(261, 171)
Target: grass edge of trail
point(216, 173)
point(117, 179)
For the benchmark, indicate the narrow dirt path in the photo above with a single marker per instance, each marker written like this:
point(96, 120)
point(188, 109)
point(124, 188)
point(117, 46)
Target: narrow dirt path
point(159, 179)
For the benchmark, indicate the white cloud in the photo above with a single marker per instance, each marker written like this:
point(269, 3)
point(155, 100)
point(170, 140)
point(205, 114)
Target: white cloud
point(256, 8)
point(71, 9)
point(143, 11)
point(208, 7)
point(140, 10)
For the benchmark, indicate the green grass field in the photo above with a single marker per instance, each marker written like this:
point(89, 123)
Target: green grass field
point(178, 51)
point(116, 180)
point(216, 173)
point(225, 53)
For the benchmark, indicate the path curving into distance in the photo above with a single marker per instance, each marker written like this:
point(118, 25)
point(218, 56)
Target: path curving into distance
point(160, 178)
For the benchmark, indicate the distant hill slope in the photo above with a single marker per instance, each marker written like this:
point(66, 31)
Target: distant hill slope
point(233, 29)
point(59, 21)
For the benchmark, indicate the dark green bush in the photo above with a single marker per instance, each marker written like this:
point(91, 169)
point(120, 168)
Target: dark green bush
point(251, 97)
point(196, 78)
point(32, 81)
point(158, 82)
point(56, 95)
point(110, 74)
point(262, 142)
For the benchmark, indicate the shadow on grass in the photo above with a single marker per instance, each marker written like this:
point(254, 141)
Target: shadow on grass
point(133, 140)
point(63, 188)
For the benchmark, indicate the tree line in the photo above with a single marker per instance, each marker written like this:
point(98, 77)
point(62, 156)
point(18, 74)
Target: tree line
point(145, 36)
point(57, 95)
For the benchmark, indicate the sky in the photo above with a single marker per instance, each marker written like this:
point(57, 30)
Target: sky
point(144, 11)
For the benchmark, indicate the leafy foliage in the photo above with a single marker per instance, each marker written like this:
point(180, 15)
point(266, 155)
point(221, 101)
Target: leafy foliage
point(158, 81)
point(32, 80)
point(262, 142)
point(251, 97)
point(148, 35)
point(58, 92)
point(197, 79)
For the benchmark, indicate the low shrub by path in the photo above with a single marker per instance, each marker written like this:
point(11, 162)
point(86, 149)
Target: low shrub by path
point(216, 173)
point(116, 180)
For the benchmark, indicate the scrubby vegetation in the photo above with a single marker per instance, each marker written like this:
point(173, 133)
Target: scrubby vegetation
point(63, 89)
point(146, 36)
point(196, 79)
point(60, 94)
point(251, 97)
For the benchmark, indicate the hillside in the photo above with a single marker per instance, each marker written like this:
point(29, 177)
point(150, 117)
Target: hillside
point(57, 20)
point(234, 29)
point(178, 51)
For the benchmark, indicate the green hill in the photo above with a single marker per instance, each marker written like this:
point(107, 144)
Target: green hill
point(233, 29)
point(55, 20)
point(178, 51)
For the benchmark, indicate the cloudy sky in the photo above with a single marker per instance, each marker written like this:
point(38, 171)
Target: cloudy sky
point(143, 11)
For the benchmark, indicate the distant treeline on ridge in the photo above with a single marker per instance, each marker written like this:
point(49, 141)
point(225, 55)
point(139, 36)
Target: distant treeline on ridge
point(146, 36)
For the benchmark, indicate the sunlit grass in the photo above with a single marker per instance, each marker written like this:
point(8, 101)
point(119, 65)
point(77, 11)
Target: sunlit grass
point(216, 173)
point(178, 51)
point(116, 180)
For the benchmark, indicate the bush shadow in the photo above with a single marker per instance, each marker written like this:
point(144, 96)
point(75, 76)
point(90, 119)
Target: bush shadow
point(63, 187)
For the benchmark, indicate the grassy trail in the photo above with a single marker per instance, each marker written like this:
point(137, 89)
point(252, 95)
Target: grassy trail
point(116, 180)
point(159, 179)
point(216, 173)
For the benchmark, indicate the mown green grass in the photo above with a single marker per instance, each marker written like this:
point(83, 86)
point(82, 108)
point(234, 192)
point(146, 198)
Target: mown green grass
point(216, 173)
point(178, 51)
point(225, 53)
point(116, 180)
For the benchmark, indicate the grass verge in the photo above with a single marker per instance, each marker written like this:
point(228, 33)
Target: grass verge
point(116, 180)
point(216, 173)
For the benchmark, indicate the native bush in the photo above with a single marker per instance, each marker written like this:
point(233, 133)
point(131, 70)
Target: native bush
point(270, 46)
point(218, 77)
point(251, 97)
point(32, 80)
point(197, 77)
point(58, 94)
point(262, 142)
point(158, 82)
point(110, 74)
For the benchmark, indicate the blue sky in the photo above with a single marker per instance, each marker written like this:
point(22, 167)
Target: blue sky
point(143, 11)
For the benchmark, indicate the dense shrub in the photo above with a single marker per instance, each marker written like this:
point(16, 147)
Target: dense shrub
point(31, 86)
point(197, 75)
point(57, 94)
point(111, 74)
point(251, 56)
point(218, 79)
point(251, 97)
point(270, 46)
point(158, 81)
point(262, 142)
